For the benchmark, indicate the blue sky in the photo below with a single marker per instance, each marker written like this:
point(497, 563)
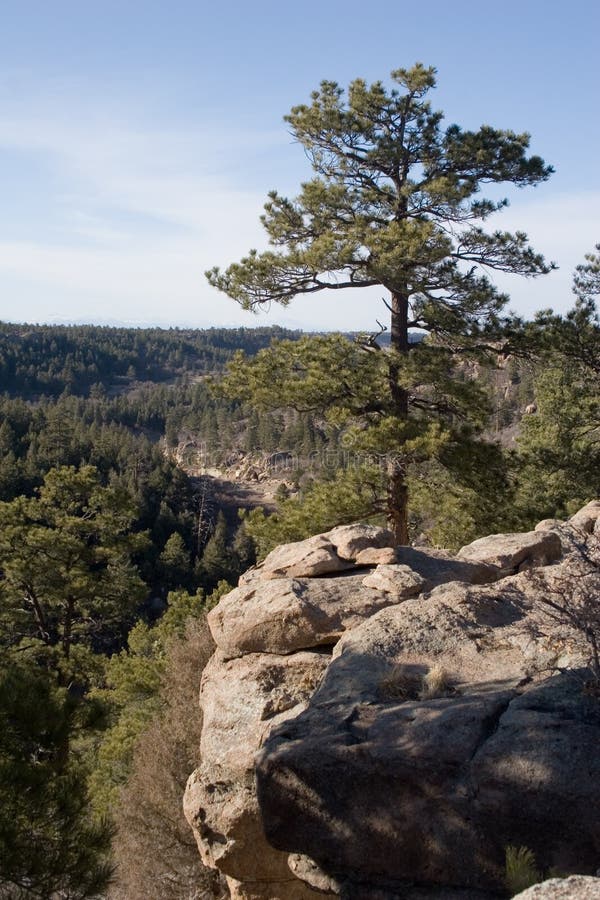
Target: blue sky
point(138, 140)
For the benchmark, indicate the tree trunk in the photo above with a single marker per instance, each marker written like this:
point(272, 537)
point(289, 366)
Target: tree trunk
point(67, 628)
point(397, 489)
point(397, 501)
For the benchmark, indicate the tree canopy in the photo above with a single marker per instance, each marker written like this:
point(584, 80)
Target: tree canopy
point(67, 576)
point(49, 845)
point(67, 584)
point(559, 446)
point(395, 202)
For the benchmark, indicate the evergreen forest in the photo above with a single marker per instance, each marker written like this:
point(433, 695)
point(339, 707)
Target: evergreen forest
point(114, 543)
point(142, 471)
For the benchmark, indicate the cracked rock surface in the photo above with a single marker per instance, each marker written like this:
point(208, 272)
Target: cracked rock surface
point(386, 728)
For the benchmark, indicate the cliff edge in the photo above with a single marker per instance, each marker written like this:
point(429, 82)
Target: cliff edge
point(383, 721)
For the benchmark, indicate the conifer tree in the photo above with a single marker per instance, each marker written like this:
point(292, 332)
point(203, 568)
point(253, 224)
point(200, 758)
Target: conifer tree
point(586, 283)
point(216, 563)
point(243, 551)
point(67, 577)
point(49, 846)
point(175, 562)
point(559, 446)
point(395, 203)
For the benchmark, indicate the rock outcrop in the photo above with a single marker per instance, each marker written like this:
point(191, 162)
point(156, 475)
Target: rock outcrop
point(577, 887)
point(383, 721)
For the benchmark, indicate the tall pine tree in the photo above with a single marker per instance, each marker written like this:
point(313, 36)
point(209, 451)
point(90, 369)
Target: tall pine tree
point(395, 203)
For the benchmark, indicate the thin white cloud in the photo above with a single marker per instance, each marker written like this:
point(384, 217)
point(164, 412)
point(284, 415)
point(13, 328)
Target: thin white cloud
point(147, 172)
point(137, 218)
point(564, 227)
point(140, 213)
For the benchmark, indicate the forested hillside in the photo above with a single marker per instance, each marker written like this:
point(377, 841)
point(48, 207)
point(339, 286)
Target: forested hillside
point(49, 359)
point(115, 540)
point(107, 548)
point(284, 613)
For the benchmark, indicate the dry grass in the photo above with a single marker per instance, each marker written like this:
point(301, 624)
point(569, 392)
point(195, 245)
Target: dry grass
point(154, 849)
point(403, 684)
point(400, 684)
point(436, 683)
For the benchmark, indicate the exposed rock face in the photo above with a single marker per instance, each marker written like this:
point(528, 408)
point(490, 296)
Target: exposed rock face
point(374, 556)
point(387, 727)
point(509, 551)
point(242, 699)
point(577, 887)
point(399, 581)
point(350, 540)
point(287, 614)
point(438, 567)
point(587, 517)
point(322, 554)
point(314, 556)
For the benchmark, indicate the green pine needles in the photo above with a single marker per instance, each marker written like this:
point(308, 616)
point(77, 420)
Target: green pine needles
point(395, 202)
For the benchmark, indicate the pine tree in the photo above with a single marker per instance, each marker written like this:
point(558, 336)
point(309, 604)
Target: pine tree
point(49, 845)
point(67, 577)
point(130, 694)
point(586, 283)
point(395, 203)
point(559, 446)
point(348, 496)
point(216, 563)
point(175, 562)
point(243, 550)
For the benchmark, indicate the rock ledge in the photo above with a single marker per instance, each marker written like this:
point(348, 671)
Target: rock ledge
point(383, 721)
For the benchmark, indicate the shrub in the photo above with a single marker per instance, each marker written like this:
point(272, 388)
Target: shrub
point(155, 851)
point(520, 869)
point(570, 608)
